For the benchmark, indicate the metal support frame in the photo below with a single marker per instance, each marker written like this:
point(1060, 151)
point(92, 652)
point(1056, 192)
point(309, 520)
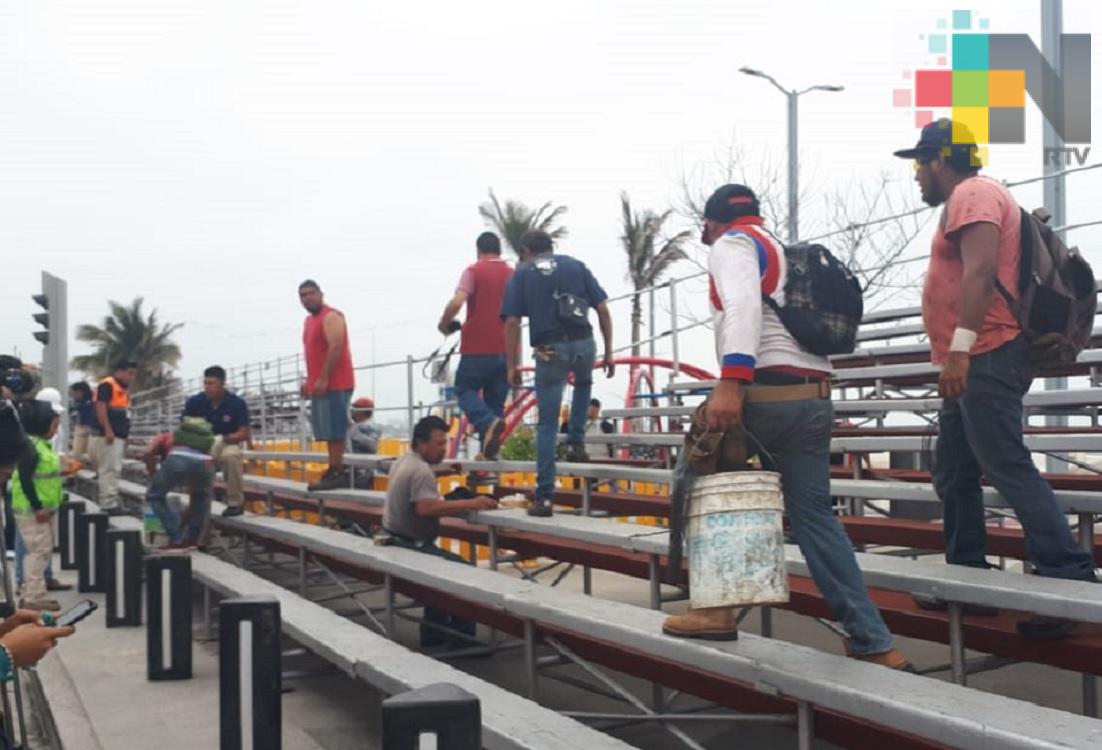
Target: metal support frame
point(587, 501)
point(766, 622)
point(492, 534)
point(805, 725)
point(388, 587)
point(530, 660)
point(956, 643)
point(655, 582)
point(597, 674)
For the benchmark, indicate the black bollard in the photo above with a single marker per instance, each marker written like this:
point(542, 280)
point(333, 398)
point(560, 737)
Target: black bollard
point(91, 532)
point(168, 617)
point(443, 709)
point(124, 578)
point(66, 532)
point(250, 673)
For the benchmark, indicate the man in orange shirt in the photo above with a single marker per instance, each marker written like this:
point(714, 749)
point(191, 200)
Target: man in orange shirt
point(985, 373)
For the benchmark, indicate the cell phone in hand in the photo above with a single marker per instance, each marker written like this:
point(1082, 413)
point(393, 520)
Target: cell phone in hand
point(79, 611)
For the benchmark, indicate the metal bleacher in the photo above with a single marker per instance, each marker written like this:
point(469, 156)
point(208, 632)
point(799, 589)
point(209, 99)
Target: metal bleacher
point(818, 694)
point(816, 682)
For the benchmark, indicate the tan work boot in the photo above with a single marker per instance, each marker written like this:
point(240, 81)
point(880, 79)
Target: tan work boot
point(892, 659)
point(717, 624)
point(41, 605)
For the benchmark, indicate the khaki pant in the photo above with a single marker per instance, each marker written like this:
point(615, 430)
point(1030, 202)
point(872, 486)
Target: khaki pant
point(82, 437)
point(108, 460)
point(231, 462)
point(38, 540)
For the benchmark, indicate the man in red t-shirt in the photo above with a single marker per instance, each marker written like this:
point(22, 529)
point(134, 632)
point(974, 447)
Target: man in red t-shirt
point(985, 372)
point(480, 382)
point(329, 380)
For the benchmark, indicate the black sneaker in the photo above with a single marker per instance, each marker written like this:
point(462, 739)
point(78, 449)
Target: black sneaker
point(540, 509)
point(334, 479)
point(233, 510)
point(933, 604)
point(491, 446)
point(576, 454)
point(1047, 628)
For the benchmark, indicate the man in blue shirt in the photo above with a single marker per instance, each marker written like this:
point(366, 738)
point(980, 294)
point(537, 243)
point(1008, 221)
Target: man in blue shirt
point(228, 415)
point(555, 293)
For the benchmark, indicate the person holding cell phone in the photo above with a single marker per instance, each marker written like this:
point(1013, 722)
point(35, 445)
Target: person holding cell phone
point(25, 638)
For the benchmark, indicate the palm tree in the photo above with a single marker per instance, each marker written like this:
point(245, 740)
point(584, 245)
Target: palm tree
point(128, 334)
point(650, 254)
point(514, 219)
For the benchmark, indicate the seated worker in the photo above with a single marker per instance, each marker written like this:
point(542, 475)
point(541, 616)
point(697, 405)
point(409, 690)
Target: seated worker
point(364, 434)
point(412, 515)
point(594, 425)
point(186, 460)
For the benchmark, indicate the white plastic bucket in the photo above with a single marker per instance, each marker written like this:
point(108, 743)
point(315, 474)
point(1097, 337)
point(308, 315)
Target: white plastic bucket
point(735, 540)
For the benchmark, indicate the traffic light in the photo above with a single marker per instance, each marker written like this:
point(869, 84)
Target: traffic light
point(42, 318)
point(54, 334)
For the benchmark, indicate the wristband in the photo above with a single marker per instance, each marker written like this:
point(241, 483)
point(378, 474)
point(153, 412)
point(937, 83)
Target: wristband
point(963, 340)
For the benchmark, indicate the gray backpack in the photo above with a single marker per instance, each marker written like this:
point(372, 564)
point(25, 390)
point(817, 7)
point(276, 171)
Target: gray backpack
point(1057, 294)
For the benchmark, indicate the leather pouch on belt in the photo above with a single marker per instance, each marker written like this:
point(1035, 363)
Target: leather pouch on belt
point(544, 353)
point(714, 452)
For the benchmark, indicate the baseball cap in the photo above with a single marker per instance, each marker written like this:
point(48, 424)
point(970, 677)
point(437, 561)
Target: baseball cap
point(729, 202)
point(363, 404)
point(952, 140)
point(51, 396)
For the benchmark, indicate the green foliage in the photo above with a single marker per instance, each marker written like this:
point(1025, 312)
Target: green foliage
point(128, 333)
point(513, 219)
point(650, 253)
point(520, 445)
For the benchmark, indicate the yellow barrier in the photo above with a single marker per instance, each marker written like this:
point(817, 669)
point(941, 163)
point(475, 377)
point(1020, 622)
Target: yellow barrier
point(396, 447)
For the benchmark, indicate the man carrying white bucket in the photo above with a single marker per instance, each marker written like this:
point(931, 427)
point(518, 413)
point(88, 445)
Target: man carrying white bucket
point(775, 395)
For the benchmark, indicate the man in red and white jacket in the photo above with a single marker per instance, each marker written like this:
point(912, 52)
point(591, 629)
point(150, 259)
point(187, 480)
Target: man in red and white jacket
point(780, 395)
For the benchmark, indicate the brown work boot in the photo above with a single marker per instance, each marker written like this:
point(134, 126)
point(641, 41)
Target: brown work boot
point(715, 624)
point(52, 584)
point(892, 659)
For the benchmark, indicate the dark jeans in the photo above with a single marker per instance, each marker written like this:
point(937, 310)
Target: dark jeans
point(981, 434)
point(481, 388)
point(431, 636)
point(570, 357)
point(197, 476)
point(795, 436)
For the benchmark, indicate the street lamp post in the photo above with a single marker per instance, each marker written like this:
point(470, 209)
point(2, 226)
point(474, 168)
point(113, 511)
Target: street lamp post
point(793, 97)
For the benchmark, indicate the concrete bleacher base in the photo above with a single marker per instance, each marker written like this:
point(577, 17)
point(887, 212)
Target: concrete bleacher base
point(947, 713)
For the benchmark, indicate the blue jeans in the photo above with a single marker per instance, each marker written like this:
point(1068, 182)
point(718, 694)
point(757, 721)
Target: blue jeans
point(795, 436)
point(981, 434)
point(20, 553)
point(197, 476)
point(485, 373)
point(570, 357)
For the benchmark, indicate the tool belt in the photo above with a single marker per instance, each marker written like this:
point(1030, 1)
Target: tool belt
point(771, 394)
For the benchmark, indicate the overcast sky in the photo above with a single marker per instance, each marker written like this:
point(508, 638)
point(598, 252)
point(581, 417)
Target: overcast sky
point(208, 156)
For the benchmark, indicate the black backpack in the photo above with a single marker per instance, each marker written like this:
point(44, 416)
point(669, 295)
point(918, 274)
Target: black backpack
point(822, 300)
point(1057, 294)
